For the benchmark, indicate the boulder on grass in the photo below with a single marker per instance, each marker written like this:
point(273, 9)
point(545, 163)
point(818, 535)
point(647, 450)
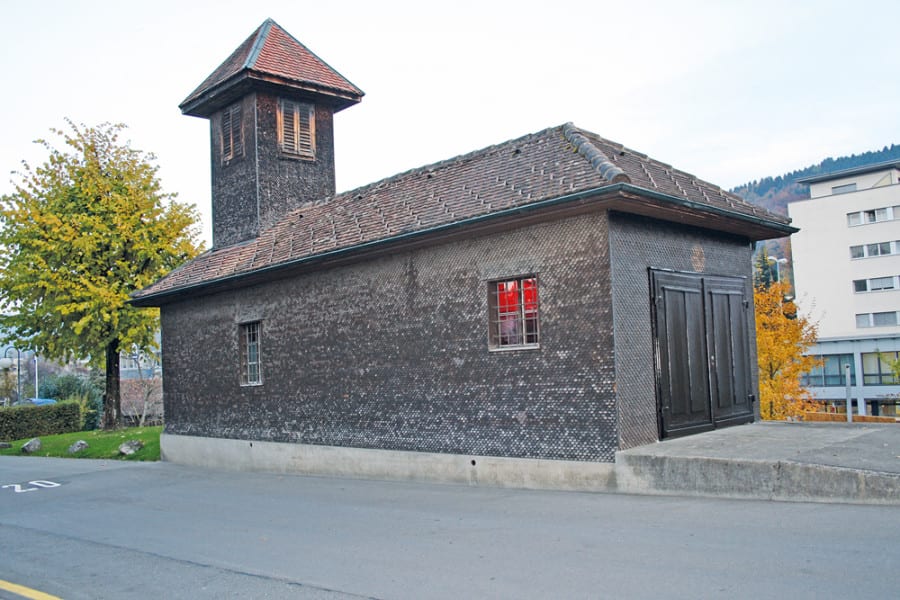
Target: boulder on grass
point(130, 447)
point(5, 445)
point(77, 446)
point(32, 446)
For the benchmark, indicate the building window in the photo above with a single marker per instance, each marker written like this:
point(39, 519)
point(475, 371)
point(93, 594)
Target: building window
point(877, 368)
point(297, 128)
point(250, 353)
point(879, 319)
point(844, 189)
point(876, 215)
point(232, 133)
point(870, 250)
point(876, 284)
point(831, 372)
point(513, 306)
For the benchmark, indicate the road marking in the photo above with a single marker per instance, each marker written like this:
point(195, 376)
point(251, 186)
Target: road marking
point(40, 483)
point(25, 592)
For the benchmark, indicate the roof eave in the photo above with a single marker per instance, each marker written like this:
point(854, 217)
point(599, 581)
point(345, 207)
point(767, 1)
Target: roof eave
point(617, 196)
point(753, 227)
point(220, 95)
point(872, 168)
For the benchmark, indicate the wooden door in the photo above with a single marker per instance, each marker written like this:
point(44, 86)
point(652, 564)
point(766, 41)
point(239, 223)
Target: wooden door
point(701, 339)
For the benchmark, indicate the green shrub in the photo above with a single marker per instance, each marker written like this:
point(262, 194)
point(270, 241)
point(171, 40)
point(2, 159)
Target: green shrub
point(87, 391)
point(19, 422)
point(89, 412)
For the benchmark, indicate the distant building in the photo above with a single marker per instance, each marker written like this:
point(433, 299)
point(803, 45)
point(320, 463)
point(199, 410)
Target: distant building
point(140, 383)
point(847, 272)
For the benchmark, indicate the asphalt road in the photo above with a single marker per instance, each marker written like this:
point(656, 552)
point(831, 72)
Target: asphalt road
point(117, 530)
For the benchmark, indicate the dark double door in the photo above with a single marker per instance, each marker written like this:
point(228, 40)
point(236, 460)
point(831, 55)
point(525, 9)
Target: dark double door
point(702, 352)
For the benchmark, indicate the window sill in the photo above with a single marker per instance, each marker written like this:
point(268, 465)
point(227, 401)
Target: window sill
point(257, 384)
point(514, 348)
point(304, 157)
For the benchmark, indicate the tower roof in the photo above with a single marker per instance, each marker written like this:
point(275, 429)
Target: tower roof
point(271, 58)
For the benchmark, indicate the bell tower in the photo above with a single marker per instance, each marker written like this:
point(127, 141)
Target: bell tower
point(270, 107)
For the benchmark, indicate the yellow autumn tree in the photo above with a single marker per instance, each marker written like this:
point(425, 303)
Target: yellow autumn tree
point(81, 232)
point(782, 338)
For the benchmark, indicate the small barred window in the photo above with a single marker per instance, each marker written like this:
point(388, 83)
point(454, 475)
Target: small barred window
point(513, 306)
point(250, 356)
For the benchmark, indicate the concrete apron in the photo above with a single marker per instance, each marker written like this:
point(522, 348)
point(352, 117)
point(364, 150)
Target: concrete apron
point(643, 470)
point(753, 479)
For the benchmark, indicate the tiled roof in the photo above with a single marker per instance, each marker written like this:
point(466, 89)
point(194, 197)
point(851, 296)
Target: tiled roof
point(271, 52)
point(549, 164)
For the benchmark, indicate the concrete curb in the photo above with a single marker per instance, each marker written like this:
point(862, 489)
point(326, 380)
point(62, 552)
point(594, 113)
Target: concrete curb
point(754, 479)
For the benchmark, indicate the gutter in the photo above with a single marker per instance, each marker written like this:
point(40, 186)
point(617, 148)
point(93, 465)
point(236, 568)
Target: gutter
point(606, 190)
point(696, 206)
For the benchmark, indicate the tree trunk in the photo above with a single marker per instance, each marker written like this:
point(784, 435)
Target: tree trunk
point(112, 400)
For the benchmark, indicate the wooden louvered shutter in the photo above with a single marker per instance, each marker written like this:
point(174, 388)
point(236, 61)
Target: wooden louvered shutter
point(226, 134)
point(297, 128)
point(305, 140)
point(289, 127)
point(232, 140)
point(237, 139)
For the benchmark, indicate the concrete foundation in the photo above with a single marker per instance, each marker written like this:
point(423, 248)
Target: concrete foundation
point(358, 463)
point(805, 462)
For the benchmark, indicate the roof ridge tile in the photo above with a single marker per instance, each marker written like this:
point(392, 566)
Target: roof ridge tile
point(261, 34)
point(601, 163)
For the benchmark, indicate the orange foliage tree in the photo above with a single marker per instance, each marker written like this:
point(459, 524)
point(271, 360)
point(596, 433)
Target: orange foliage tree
point(782, 337)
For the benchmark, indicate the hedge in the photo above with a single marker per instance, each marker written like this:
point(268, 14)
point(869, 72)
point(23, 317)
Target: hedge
point(20, 422)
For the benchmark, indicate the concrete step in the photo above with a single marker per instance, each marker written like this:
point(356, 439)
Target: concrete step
point(754, 479)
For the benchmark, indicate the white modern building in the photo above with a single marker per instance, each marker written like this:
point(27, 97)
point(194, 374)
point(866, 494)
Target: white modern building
point(846, 261)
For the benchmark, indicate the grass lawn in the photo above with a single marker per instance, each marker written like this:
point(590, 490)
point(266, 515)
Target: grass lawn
point(101, 444)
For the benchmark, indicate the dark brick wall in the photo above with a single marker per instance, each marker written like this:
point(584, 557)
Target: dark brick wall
point(253, 191)
point(636, 245)
point(392, 353)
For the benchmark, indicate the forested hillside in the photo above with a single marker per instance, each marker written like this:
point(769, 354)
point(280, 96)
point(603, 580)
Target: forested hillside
point(774, 193)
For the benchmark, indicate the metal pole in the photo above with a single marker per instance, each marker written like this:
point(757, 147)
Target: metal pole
point(36, 395)
point(861, 402)
point(849, 399)
point(18, 375)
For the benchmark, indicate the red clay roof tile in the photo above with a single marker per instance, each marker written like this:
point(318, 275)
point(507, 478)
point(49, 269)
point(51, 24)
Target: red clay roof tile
point(271, 52)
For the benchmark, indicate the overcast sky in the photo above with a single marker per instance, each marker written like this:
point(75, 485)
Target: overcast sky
point(727, 90)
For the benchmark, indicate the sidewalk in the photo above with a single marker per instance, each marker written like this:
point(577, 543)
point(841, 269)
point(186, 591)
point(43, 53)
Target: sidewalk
point(819, 462)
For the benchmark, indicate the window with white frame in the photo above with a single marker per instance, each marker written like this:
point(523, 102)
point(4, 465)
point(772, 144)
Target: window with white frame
point(513, 307)
point(297, 128)
point(879, 319)
point(232, 136)
point(876, 284)
point(875, 215)
point(871, 250)
point(250, 337)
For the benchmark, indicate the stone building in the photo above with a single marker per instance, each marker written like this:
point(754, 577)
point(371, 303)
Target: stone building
point(514, 315)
